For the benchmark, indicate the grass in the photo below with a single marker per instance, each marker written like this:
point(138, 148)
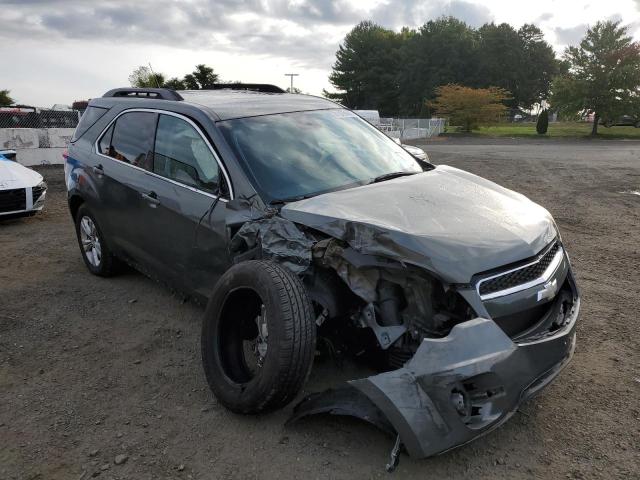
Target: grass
point(556, 129)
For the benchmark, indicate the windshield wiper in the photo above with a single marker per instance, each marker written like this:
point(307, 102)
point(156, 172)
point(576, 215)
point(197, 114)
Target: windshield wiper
point(296, 198)
point(390, 176)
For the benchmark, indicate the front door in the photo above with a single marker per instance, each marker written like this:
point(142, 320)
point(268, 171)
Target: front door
point(185, 219)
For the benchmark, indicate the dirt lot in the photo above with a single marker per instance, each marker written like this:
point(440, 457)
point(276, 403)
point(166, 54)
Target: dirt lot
point(93, 368)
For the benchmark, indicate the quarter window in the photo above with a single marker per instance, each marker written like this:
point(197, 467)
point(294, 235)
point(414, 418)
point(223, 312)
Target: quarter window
point(132, 139)
point(105, 141)
point(181, 154)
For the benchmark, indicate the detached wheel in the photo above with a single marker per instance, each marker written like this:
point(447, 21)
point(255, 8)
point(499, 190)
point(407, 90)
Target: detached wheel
point(258, 337)
point(95, 252)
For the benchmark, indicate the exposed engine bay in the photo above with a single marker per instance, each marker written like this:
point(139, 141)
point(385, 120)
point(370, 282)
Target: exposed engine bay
point(453, 361)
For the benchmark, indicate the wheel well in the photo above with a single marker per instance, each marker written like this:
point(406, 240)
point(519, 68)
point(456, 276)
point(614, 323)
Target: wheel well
point(74, 205)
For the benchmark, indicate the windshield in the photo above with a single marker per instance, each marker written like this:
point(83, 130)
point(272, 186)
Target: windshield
point(301, 154)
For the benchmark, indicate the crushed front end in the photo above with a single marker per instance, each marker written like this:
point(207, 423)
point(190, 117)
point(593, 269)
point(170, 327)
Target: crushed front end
point(459, 358)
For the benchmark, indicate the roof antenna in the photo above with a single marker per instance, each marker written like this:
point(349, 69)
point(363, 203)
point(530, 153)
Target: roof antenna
point(154, 75)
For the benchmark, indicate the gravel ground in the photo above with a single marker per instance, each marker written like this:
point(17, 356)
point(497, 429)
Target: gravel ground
point(103, 376)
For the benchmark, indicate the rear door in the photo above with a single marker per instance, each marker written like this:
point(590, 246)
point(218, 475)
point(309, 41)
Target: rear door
point(125, 152)
point(185, 220)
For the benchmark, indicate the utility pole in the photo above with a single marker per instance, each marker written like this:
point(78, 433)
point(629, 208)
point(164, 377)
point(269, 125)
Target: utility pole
point(291, 75)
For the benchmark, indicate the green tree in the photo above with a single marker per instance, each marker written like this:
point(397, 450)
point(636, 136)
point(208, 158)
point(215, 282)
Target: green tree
point(174, 83)
point(442, 51)
point(143, 77)
point(201, 78)
point(517, 60)
point(365, 69)
point(470, 107)
point(603, 75)
point(542, 124)
point(537, 67)
point(5, 99)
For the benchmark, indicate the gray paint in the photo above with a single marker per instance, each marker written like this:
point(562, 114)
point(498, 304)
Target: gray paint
point(451, 222)
point(447, 221)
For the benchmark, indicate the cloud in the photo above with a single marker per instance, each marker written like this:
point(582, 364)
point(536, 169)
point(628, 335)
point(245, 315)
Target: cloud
point(285, 28)
point(571, 35)
point(545, 17)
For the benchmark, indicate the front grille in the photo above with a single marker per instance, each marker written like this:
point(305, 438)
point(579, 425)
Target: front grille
point(13, 200)
point(519, 276)
point(36, 192)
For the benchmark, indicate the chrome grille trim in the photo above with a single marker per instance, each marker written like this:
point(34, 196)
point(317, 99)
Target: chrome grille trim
point(546, 275)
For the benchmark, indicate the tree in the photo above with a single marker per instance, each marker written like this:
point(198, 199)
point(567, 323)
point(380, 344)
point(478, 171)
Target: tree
point(603, 75)
point(201, 78)
point(143, 77)
point(517, 60)
point(294, 90)
point(5, 99)
point(470, 107)
point(174, 83)
point(365, 69)
point(442, 51)
point(542, 124)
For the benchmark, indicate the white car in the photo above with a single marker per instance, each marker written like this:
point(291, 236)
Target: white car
point(22, 190)
point(417, 152)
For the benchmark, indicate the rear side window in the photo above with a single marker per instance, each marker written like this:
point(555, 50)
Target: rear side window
point(181, 154)
point(90, 116)
point(132, 139)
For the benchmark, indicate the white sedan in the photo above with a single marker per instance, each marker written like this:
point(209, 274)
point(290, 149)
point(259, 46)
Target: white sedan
point(22, 190)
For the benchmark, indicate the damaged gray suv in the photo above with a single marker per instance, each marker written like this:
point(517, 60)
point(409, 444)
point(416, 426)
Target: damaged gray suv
point(308, 232)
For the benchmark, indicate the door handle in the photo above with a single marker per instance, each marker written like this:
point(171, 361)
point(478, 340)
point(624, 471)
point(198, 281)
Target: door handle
point(98, 169)
point(152, 198)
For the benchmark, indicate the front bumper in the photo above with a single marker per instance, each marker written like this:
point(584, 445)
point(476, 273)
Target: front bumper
point(460, 387)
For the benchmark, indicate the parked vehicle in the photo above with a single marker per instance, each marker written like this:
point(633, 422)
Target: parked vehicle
point(295, 219)
point(623, 121)
point(416, 152)
point(22, 190)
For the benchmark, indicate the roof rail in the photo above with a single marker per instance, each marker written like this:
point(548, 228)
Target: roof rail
point(254, 87)
point(153, 93)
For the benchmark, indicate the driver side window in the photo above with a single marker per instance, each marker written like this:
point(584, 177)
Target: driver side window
point(181, 154)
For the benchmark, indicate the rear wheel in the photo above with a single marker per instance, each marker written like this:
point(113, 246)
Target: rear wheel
point(95, 252)
point(258, 337)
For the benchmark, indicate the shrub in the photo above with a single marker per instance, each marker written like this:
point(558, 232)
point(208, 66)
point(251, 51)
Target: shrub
point(470, 107)
point(543, 122)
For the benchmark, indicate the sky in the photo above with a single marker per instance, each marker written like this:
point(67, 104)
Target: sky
point(58, 51)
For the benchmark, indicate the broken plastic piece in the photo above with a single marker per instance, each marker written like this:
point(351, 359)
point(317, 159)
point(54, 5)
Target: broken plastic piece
point(346, 401)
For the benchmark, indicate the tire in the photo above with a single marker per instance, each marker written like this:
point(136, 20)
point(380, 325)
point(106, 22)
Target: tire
point(608, 124)
point(104, 264)
point(637, 124)
point(259, 312)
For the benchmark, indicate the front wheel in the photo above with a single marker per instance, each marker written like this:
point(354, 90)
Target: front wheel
point(258, 337)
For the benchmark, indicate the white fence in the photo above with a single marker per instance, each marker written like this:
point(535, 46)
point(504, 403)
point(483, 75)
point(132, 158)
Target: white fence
point(412, 128)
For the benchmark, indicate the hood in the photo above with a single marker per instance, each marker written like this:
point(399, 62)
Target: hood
point(13, 175)
point(446, 220)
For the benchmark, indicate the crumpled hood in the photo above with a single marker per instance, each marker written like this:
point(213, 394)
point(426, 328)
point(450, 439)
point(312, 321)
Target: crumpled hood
point(13, 175)
point(446, 220)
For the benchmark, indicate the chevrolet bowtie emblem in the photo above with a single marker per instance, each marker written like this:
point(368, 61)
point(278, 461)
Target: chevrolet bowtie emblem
point(549, 290)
